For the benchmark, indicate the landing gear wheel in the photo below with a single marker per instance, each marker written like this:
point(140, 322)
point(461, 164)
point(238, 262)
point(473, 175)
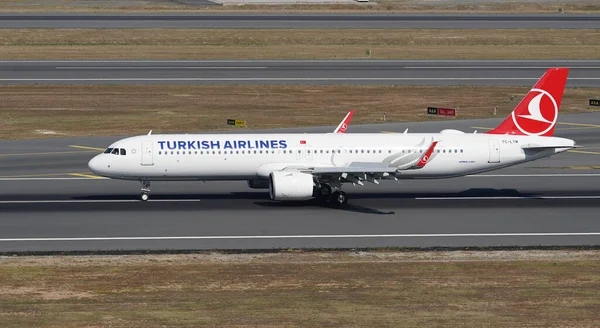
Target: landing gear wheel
point(324, 192)
point(145, 190)
point(339, 198)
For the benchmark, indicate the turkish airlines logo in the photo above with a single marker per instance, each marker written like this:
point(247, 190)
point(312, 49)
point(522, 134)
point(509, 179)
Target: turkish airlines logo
point(343, 127)
point(541, 116)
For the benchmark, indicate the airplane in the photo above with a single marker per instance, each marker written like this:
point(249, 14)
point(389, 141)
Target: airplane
point(299, 167)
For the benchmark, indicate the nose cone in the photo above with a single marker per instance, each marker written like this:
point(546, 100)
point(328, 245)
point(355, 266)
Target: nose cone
point(97, 166)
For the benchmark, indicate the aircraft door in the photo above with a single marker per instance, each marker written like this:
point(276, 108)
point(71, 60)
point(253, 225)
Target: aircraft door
point(494, 151)
point(310, 153)
point(147, 156)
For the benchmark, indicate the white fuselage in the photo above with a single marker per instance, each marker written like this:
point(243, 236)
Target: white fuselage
point(254, 156)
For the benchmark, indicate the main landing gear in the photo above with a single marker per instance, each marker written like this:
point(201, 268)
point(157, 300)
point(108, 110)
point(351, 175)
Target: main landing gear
point(332, 195)
point(145, 190)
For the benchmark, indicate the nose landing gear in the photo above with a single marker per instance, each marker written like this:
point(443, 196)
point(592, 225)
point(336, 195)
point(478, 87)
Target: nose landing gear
point(145, 195)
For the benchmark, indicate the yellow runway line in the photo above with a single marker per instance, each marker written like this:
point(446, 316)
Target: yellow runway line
point(86, 175)
point(584, 152)
point(86, 147)
point(33, 175)
point(580, 124)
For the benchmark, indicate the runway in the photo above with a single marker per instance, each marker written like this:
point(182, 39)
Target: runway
point(49, 201)
point(274, 21)
point(583, 73)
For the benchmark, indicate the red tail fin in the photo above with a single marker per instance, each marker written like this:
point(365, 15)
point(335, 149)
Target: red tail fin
point(344, 124)
point(537, 113)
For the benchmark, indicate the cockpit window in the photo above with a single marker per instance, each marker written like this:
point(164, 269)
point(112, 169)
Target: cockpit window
point(115, 151)
point(123, 152)
point(108, 150)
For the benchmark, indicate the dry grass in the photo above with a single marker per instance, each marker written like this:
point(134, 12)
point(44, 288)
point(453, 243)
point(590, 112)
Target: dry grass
point(126, 110)
point(408, 6)
point(554, 289)
point(298, 44)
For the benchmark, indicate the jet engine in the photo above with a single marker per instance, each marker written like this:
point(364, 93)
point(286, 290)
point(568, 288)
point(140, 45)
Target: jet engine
point(258, 184)
point(290, 186)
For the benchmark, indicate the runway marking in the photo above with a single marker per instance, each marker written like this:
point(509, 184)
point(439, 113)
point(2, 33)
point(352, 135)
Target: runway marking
point(88, 148)
point(45, 153)
point(233, 79)
point(558, 175)
point(584, 152)
point(40, 177)
point(34, 177)
point(424, 235)
point(507, 197)
point(45, 179)
point(196, 200)
point(41, 164)
point(493, 67)
point(86, 175)
point(387, 132)
point(571, 167)
point(580, 124)
point(95, 201)
point(155, 67)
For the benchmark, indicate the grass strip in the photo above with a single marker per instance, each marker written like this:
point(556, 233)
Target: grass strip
point(414, 289)
point(175, 44)
point(28, 111)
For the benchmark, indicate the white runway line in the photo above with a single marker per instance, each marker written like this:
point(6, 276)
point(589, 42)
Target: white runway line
point(154, 67)
point(50, 179)
point(432, 235)
point(493, 67)
point(507, 197)
point(94, 201)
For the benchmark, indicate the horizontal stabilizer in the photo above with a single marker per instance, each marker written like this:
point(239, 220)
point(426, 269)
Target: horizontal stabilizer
point(534, 146)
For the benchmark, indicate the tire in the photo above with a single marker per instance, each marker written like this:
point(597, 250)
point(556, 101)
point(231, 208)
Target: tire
point(338, 198)
point(144, 196)
point(325, 191)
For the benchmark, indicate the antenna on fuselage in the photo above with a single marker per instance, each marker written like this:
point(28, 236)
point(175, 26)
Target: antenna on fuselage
point(150, 133)
point(406, 131)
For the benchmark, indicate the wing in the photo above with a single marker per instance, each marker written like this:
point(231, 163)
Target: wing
point(368, 171)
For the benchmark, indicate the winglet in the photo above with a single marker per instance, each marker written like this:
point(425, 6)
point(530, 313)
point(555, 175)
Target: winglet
point(425, 158)
point(344, 124)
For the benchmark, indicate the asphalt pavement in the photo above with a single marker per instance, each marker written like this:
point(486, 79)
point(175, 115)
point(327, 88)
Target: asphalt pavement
point(283, 20)
point(583, 73)
point(50, 201)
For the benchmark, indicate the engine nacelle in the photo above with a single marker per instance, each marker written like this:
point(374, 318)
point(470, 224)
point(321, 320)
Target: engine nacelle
point(290, 185)
point(258, 184)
